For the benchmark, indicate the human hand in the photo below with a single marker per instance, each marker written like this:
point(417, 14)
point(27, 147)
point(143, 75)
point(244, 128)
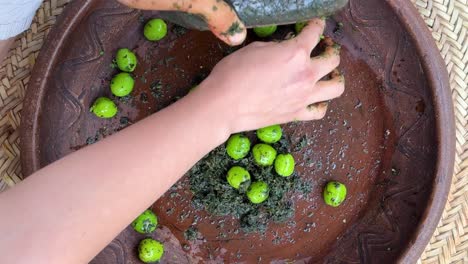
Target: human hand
point(220, 17)
point(274, 83)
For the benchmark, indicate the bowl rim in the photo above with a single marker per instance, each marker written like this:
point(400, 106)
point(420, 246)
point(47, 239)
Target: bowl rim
point(431, 62)
point(436, 72)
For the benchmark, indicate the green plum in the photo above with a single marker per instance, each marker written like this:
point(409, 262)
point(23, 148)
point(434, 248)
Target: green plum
point(126, 60)
point(155, 29)
point(334, 193)
point(271, 134)
point(264, 155)
point(237, 176)
point(150, 250)
point(258, 192)
point(299, 26)
point(145, 223)
point(265, 31)
point(103, 107)
point(122, 84)
point(238, 146)
point(284, 165)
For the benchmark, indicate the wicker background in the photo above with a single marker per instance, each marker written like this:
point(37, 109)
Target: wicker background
point(448, 21)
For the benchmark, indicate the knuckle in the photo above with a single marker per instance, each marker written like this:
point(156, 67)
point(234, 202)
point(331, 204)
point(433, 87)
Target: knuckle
point(297, 58)
point(300, 51)
point(311, 75)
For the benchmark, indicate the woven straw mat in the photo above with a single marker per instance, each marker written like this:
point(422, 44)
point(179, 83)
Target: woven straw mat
point(448, 21)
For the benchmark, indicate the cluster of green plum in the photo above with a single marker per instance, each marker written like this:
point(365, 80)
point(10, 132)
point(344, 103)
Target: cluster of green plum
point(149, 250)
point(122, 84)
point(238, 147)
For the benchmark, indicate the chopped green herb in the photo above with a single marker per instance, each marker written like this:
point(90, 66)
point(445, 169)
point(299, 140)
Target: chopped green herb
point(124, 121)
point(156, 89)
point(113, 65)
point(128, 100)
point(144, 98)
point(338, 30)
point(301, 144)
point(212, 192)
point(191, 233)
point(92, 140)
point(178, 30)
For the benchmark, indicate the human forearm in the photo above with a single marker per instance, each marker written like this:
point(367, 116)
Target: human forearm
point(68, 211)
point(118, 178)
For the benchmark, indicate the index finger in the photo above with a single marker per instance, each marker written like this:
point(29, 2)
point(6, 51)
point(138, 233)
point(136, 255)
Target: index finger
point(310, 35)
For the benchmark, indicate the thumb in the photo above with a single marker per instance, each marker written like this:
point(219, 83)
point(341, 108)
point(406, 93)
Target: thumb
point(220, 16)
point(222, 20)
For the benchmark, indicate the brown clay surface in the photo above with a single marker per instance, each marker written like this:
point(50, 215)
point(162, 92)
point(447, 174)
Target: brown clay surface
point(383, 138)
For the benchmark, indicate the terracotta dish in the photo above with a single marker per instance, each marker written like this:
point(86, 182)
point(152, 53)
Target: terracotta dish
point(389, 138)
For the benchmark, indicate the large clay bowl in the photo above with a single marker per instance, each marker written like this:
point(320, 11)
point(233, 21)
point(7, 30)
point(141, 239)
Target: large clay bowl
point(389, 137)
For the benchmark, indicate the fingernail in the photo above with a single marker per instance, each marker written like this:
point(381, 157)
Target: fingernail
point(342, 78)
point(312, 107)
point(328, 41)
point(335, 73)
point(323, 104)
point(336, 48)
point(236, 39)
